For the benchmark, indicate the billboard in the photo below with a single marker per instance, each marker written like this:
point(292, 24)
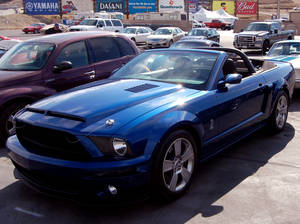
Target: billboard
point(76, 6)
point(110, 5)
point(193, 6)
point(246, 7)
point(141, 6)
point(227, 5)
point(171, 5)
point(42, 7)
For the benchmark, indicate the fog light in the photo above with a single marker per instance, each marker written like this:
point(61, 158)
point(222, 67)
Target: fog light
point(112, 189)
point(120, 146)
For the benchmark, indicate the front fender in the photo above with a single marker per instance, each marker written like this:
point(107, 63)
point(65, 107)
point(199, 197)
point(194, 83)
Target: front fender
point(32, 93)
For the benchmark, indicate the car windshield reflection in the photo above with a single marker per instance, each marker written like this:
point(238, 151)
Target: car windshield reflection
point(284, 49)
point(191, 68)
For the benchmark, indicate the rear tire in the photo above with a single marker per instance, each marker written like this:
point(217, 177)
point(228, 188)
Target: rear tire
point(174, 165)
point(265, 47)
point(279, 115)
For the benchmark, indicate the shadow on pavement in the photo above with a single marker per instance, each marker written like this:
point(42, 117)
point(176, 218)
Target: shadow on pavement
point(213, 181)
point(295, 106)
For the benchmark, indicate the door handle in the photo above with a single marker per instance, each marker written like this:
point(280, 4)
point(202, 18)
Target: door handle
point(90, 73)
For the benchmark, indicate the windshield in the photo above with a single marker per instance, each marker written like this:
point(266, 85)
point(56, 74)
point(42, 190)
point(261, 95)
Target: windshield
point(129, 30)
point(163, 32)
point(189, 68)
point(257, 27)
point(26, 57)
point(284, 49)
point(197, 32)
point(186, 44)
point(89, 22)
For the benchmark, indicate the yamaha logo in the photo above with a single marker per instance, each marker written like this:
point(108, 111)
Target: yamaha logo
point(29, 6)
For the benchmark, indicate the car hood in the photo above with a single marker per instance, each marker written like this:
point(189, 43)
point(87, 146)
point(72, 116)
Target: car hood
point(120, 100)
point(159, 37)
point(254, 33)
point(8, 78)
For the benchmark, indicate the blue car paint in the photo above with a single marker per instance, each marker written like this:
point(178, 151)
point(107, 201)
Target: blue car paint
point(220, 118)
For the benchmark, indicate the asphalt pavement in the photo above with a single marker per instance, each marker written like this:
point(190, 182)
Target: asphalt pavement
point(256, 181)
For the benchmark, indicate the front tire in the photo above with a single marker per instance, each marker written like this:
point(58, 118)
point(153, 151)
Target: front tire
point(170, 43)
point(174, 165)
point(265, 47)
point(279, 115)
point(6, 125)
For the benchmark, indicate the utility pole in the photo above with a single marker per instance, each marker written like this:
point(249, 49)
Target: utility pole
point(278, 9)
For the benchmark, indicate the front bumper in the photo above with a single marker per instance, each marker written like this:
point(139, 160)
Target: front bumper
point(248, 45)
point(79, 180)
point(154, 44)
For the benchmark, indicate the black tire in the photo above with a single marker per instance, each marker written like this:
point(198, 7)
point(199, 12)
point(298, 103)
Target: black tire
point(178, 165)
point(35, 31)
point(133, 39)
point(223, 27)
point(279, 115)
point(265, 47)
point(170, 43)
point(5, 125)
point(26, 32)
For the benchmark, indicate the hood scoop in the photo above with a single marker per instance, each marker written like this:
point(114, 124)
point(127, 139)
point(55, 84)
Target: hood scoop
point(141, 88)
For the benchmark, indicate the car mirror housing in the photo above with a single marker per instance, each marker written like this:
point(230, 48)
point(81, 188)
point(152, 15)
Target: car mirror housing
point(65, 65)
point(233, 78)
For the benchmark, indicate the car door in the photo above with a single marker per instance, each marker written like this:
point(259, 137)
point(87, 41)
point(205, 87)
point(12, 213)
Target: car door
point(107, 55)
point(108, 25)
point(81, 72)
point(141, 35)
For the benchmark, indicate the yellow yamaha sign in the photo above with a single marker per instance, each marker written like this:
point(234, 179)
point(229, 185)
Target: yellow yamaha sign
point(227, 5)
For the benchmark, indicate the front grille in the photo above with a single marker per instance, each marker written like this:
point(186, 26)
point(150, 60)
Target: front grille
point(51, 143)
point(246, 39)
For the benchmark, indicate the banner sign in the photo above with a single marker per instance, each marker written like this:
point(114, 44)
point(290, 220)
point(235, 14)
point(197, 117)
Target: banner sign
point(246, 7)
point(193, 6)
point(110, 5)
point(227, 5)
point(171, 5)
point(42, 7)
point(141, 6)
point(69, 6)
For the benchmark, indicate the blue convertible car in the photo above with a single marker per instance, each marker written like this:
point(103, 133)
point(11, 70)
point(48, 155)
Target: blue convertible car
point(149, 124)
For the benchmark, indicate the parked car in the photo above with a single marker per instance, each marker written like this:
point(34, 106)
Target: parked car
point(287, 51)
point(62, 27)
point(5, 45)
point(149, 124)
point(34, 28)
point(46, 65)
point(195, 43)
point(4, 38)
point(261, 35)
point(98, 24)
point(137, 34)
point(203, 33)
point(218, 24)
point(197, 24)
point(164, 37)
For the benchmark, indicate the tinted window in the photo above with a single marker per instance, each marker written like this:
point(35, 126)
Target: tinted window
point(116, 23)
point(75, 53)
point(104, 48)
point(101, 23)
point(125, 47)
point(108, 23)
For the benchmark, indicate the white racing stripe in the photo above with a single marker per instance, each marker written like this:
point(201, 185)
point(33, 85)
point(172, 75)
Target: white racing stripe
point(29, 212)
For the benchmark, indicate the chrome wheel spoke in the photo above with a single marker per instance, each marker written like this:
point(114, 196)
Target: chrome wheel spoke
point(173, 183)
point(186, 175)
point(188, 154)
point(167, 165)
point(177, 146)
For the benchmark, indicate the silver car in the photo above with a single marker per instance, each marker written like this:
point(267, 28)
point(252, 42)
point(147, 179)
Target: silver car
point(164, 37)
point(138, 34)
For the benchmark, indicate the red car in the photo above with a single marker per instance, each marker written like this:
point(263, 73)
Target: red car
point(34, 28)
point(4, 38)
point(215, 23)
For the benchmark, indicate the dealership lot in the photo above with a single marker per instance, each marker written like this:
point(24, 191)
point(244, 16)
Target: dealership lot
point(256, 181)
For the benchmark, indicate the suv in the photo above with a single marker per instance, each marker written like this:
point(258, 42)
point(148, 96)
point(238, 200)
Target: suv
point(98, 24)
point(46, 65)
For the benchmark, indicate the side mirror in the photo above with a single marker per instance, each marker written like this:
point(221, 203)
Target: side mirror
point(275, 31)
point(65, 65)
point(233, 78)
point(242, 30)
point(99, 25)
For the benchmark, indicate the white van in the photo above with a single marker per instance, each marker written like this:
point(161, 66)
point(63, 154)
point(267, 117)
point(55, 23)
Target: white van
point(98, 24)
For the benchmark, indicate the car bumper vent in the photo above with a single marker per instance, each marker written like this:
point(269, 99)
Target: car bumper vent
point(51, 143)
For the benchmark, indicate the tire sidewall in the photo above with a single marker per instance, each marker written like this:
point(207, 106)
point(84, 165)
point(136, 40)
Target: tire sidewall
point(157, 181)
point(272, 122)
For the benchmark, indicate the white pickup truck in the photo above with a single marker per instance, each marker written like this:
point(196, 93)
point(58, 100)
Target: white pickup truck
point(98, 24)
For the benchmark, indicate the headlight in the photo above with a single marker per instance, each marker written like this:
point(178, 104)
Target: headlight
point(120, 146)
point(111, 146)
point(259, 38)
